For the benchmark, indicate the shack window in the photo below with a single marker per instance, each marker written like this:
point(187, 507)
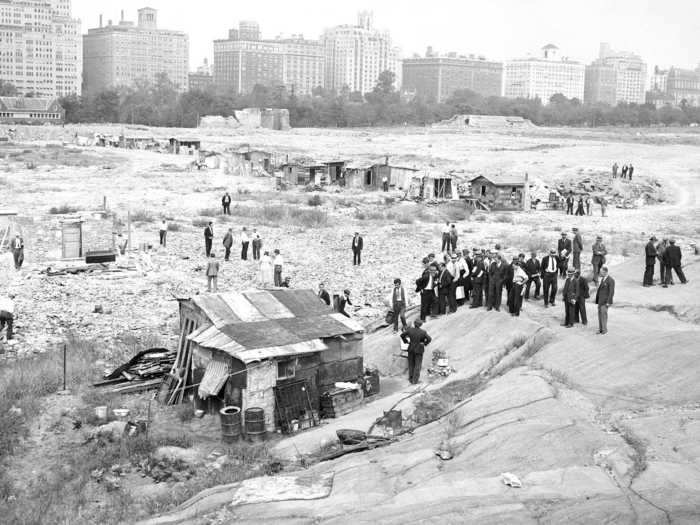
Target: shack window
point(286, 369)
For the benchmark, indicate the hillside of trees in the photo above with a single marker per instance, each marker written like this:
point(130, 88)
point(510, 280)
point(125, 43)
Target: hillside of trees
point(159, 104)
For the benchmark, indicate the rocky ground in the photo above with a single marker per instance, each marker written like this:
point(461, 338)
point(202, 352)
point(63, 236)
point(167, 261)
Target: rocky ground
point(597, 429)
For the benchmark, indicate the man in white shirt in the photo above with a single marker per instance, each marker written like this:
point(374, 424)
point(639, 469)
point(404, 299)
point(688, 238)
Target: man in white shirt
point(549, 277)
point(17, 246)
point(245, 241)
point(445, 237)
point(163, 232)
point(278, 263)
point(7, 314)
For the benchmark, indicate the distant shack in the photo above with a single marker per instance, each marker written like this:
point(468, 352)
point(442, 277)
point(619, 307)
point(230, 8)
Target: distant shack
point(501, 192)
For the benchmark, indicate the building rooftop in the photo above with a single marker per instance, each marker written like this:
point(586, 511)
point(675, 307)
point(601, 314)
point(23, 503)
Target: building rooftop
point(25, 103)
point(502, 179)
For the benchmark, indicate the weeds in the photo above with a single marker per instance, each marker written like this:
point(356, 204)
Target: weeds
point(63, 209)
point(200, 222)
point(209, 212)
point(276, 214)
point(315, 200)
point(502, 217)
point(174, 227)
point(142, 216)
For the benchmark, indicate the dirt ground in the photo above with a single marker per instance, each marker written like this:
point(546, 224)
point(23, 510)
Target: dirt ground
point(595, 427)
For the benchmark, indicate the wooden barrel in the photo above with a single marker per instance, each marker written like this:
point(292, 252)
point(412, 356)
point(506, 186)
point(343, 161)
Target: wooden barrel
point(255, 424)
point(230, 424)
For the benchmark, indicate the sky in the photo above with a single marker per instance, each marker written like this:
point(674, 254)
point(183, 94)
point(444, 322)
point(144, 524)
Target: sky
point(663, 32)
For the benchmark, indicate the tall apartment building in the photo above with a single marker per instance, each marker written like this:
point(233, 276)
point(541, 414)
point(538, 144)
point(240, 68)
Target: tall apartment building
point(244, 60)
point(616, 76)
point(202, 78)
point(40, 47)
point(675, 87)
point(119, 54)
point(544, 76)
point(357, 54)
point(438, 77)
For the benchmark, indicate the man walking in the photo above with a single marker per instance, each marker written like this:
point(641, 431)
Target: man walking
point(398, 305)
point(532, 269)
point(257, 245)
point(549, 278)
point(604, 298)
point(650, 262)
point(208, 238)
point(426, 285)
point(570, 297)
point(417, 339)
point(357, 246)
point(7, 315)
point(17, 246)
point(497, 273)
point(163, 232)
point(226, 203)
point(245, 242)
point(564, 252)
point(598, 258)
point(212, 273)
point(277, 264)
point(577, 248)
point(672, 258)
point(228, 243)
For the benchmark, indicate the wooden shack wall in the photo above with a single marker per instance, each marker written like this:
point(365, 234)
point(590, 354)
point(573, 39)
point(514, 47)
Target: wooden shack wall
point(498, 197)
point(307, 368)
point(343, 361)
point(262, 378)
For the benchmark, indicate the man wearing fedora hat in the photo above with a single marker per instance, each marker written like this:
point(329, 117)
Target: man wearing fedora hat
point(577, 248)
point(564, 251)
point(549, 277)
point(570, 298)
point(598, 258)
point(650, 262)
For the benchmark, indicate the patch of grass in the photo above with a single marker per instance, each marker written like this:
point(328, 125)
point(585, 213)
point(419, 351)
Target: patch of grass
point(174, 227)
point(278, 214)
point(201, 222)
point(428, 408)
point(389, 200)
point(504, 218)
point(185, 412)
point(63, 209)
point(480, 217)
point(315, 200)
point(639, 447)
point(210, 212)
point(142, 215)
point(404, 218)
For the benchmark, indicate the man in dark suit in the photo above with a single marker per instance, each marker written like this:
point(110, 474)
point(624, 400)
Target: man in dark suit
point(417, 339)
point(577, 248)
point(570, 204)
point(344, 301)
point(532, 269)
point(583, 294)
point(564, 252)
point(398, 305)
point(226, 203)
point(497, 274)
point(208, 238)
point(604, 298)
point(672, 260)
point(549, 278)
point(650, 262)
point(357, 245)
point(426, 285)
point(323, 294)
point(477, 280)
point(444, 287)
point(570, 297)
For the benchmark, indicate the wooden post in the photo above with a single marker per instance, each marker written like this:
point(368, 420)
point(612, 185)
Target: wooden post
point(104, 202)
point(64, 366)
point(128, 223)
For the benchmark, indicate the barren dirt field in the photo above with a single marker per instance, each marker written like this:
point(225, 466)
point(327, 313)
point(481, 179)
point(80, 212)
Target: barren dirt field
point(599, 429)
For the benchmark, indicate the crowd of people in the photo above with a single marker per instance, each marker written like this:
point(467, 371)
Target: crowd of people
point(625, 173)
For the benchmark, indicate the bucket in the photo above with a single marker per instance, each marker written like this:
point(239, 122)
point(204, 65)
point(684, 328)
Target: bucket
point(101, 413)
point(255, 424)
point(230, 424)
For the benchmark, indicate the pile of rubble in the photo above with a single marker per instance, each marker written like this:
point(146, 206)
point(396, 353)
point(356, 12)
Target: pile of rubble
point(618, 192)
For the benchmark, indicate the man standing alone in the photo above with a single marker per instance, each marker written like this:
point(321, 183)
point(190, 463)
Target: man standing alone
point(417, 339)
point(163, 232)
point(604, 298)
point(228, 243)
point(17, 245)
point(226, 203)
point(208, 238)
point(577, 249)
point(357, 246)
point(650, 262)
point(212, 274)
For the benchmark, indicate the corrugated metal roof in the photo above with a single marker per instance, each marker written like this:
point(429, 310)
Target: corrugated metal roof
point(260, 324)
point(502, 180)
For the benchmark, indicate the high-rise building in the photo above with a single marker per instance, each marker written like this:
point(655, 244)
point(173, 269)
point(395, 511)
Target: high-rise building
point(120, 54)
point(683, 86)
point(437, 77)
point(293, 63)
point(40, 47)
point(616, 76)
point(357, 54)
point(202, 78)
point(544, 76)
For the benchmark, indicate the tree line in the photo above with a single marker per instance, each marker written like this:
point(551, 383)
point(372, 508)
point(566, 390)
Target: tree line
point(159, 103)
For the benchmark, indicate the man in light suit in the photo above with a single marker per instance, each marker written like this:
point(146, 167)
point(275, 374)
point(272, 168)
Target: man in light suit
point(604, 298)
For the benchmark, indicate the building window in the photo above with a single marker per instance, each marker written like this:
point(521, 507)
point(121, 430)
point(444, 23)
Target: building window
point(286, 369)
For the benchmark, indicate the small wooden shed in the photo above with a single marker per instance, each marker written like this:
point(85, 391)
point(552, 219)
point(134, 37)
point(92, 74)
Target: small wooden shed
point(301, 174)
point(278, 350)
point(501, 192)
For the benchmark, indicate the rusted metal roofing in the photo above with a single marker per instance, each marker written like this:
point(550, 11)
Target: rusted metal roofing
point(260, 324)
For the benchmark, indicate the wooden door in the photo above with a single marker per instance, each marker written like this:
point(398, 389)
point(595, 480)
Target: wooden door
point(72, 240)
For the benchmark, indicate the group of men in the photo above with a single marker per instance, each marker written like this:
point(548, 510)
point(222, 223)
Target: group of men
point(583, 207)
point(228, 240)
point(625, 173)
point(669, 256)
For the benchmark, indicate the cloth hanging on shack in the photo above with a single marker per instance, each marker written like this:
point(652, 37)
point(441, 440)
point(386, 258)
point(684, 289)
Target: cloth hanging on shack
point(215, 377)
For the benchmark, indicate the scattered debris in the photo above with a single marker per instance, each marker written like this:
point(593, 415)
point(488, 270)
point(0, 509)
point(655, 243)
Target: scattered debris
point(511, 480)
point(143, 372)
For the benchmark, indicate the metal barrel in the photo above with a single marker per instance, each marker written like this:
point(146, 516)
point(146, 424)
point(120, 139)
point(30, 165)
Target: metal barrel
point(230, 424)
point(255, 424)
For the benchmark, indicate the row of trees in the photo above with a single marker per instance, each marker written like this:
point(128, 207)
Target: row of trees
point(159, 104)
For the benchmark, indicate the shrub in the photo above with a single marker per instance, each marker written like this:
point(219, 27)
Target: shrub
point(174, 227)
point(389, 200)
point(404, 218)
point(142, 216)
point(480, 217)
point(200, 222)
point(63, 209)
point(242, 191)
point(315, 200)
point(210, 212)
point(502, 217)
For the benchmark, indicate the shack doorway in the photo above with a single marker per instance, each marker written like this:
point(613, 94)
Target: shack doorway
point(72, 240)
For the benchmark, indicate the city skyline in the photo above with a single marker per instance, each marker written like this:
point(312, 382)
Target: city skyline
point(448, 26)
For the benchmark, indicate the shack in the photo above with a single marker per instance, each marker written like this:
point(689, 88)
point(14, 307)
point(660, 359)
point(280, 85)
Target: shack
point(179, 145)
point(436, 186)
point(278, 350)
point(368, 175)
point(302, 173)
point(501, 192)
point(361, 175)
point(335, 171)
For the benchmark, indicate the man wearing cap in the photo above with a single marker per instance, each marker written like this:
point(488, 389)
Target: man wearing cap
point(672, 259)
point(570, 298)
point(577, 248)
point(344, 300)
point(496, 274)
point(549, 277)
point(357, 245)
point(604, 298)
point(564, 251)
point(417, 339)
point(532, 268)
point(598, 258)
point(650, 262)
point(477, 280)
point(426, 285)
